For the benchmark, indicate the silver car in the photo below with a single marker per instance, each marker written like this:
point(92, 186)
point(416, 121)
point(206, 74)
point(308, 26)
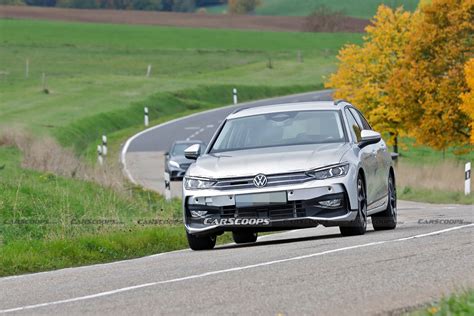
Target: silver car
point(289, 166)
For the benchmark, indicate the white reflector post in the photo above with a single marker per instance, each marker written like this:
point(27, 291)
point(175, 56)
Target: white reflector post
point(234, 94)
point(146, 116)
point(467, 179)
point(104, 145)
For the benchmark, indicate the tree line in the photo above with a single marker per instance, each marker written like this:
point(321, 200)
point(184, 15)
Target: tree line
point(152, 5)
point(234, 6)
point(413, 74)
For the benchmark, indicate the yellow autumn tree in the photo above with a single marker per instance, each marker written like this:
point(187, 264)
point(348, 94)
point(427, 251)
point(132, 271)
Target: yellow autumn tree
point(431, 77)
point(365, 70)
point(468, 98)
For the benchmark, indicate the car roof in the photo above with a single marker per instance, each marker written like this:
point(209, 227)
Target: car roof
point(289, 107)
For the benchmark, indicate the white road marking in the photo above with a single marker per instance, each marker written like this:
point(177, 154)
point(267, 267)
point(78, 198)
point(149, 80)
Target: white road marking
point(191, 128)
point(206, 274)
point(210, 126)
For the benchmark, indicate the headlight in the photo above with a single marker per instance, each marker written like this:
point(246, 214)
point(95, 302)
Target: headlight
point(173, 164)
point(329, 172)
point(197, 183)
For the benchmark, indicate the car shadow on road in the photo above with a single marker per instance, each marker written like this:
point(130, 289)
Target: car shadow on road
point(283, 241)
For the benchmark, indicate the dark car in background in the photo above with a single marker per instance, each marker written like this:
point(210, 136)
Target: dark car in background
point(175, 162)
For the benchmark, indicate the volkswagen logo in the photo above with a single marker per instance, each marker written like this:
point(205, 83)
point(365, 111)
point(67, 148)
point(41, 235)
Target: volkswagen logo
point(260, 180)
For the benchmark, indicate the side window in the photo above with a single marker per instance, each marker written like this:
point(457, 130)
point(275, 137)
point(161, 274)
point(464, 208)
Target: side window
point(360, 119)
point(353, 126)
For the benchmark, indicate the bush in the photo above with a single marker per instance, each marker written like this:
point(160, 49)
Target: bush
point(324, 19)
point(243, 6)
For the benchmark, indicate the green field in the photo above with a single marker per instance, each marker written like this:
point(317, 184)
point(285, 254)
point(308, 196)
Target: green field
point(97, 68)
point(361, 9)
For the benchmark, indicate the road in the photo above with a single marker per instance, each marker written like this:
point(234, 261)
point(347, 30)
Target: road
point(312, 271)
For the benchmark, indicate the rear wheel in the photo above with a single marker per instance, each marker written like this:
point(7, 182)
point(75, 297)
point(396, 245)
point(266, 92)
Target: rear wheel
point(387, 219)
point(359, 225)
point(242, 237)
point(205, 242)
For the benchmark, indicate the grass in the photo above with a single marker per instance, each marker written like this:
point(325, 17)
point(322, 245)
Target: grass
point(456, 304)
point(434, 196)
point(85, 132)
point(361, 9)
point(50, 222)
point(419, 154)
point(99, 68)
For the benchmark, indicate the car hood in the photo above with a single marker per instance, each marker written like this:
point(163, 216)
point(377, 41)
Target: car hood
point(273, 160)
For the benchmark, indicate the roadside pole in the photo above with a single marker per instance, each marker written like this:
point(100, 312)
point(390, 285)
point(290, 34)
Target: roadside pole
point(148, 71)
point(146, 116)
point(167, 186)
point(234, 94)
point(467, 179)
point(104, 145)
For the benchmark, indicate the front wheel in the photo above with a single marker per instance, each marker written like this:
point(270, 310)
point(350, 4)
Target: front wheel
point(359, 225)
point(388, 218)
point(205, 242)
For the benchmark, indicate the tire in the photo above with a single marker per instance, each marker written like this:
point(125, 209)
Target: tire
point(243, 237)
point(359, 225)
point(205, 242)
point(387, 219)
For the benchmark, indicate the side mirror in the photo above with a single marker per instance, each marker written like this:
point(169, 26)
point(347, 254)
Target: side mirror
point(193, 152)
point(369, 137)
point(167, 153)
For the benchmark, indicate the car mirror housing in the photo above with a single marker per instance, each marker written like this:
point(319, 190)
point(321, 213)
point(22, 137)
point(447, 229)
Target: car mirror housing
point(193, 152)
point(369, 137)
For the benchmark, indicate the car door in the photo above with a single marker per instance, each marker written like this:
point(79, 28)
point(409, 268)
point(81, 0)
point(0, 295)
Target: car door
point(367, 158)
point(379, 151)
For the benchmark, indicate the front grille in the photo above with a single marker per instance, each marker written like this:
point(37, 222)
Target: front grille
point(273, 180)
point(292, 209)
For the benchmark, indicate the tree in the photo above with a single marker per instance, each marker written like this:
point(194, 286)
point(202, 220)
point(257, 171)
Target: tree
point(184, 5)
point(364, 71)
point(431, 77)
point(147, 5)
point(468, 97)
point(243, 6)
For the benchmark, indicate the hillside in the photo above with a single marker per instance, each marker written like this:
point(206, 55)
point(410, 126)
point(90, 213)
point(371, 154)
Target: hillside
point(360, 9)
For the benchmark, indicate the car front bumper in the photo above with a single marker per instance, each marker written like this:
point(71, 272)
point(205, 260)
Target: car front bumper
point(213, 211)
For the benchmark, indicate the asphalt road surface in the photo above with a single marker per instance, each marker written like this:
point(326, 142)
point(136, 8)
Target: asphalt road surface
point(312, 271)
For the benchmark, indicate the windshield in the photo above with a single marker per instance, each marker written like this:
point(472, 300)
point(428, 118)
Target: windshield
point(280, 129)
